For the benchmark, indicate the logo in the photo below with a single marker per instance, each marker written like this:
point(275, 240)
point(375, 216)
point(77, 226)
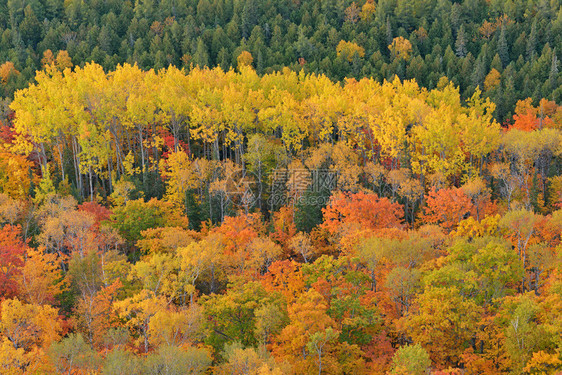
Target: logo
point(242, 188)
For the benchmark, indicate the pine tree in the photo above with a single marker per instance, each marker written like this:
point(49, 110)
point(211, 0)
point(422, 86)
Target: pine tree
point(308, 209)
point(496, 63)
point(479, 72)
point(388, 31)
point(201, 56)
point(553, 76)
point(249, 18)
point(532, 42)
point(460, 44)
point(502, 47)
point(193, 210)
point(260, 62)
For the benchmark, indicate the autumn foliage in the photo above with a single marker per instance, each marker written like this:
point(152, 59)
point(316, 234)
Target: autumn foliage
point(207, 221)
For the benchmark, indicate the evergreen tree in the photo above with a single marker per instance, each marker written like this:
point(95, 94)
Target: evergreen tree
point(308, 209)
point(479, 72)
point(201, 56)
point(553, 76)
point(389, 36)
point(460, 44)
point(532, 42)
point(502, 48)
point(249, 18)
point(496, 63)
point(193, 210)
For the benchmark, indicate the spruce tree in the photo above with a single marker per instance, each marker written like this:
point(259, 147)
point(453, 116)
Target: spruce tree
point(503, 50)
point(460, 44)
point(479, 72)
point(389, 36)
point(201, 56)
point(553, 76)
point(532, 42)
point(308, 209)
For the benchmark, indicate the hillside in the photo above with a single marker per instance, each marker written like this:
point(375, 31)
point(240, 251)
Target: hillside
point(315, 187)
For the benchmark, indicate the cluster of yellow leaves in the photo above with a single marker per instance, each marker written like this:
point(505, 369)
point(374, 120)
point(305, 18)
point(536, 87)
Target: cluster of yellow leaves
point(400, 48)
point(349, 50)
point(26, 330)
point(7, 70)
point(245, 59)
point(391, 119)
point(60, 62)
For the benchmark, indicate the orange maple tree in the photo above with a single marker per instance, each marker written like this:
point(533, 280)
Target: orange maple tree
point(363, 211)
point(447, 207)
point(12, 251)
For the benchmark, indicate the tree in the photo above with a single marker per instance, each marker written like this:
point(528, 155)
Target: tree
point(262, 253)
point(137, 215)
point(29, 326)
point(41, 279)
point(164, 240)
point(240, 360)
point(503, 51)
point(286, 278)
point(402, 284)
point(95, 315)
point(532, 42)
point(72, 354)
point(349, 50)
point(178, 326)
point(232, 316)
point(460, 43)
point(63, 60)
point(443, 322)
point(352, 13)
point(361, 211)
point(502, 172)
point(7, 71)
point(119, 361)
point(408, 188)
point(367, 11)
point(176, 171)
point(400, 48)
point(521, 226)
point(317, 345)
point(15, 179)
point(410, 359)
point(176, 360)
point(244, 59)
point(447, 207)
point(158, 274)
point(308, 209)
point(201, 55)
point(492, 80)
point(301, 244)
point(12, 252)
point(284, 226)
point(307, 317)
point(524, 333)
point(372, 252)
point(478, 192)
point(138, 310)
point(309, 343)
point(13, 360)
point(543, 363)
point(270, 320)
point(195, 259)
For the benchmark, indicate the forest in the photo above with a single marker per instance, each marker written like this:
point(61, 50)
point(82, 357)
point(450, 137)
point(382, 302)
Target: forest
point(508, 48)
point(280, 187)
